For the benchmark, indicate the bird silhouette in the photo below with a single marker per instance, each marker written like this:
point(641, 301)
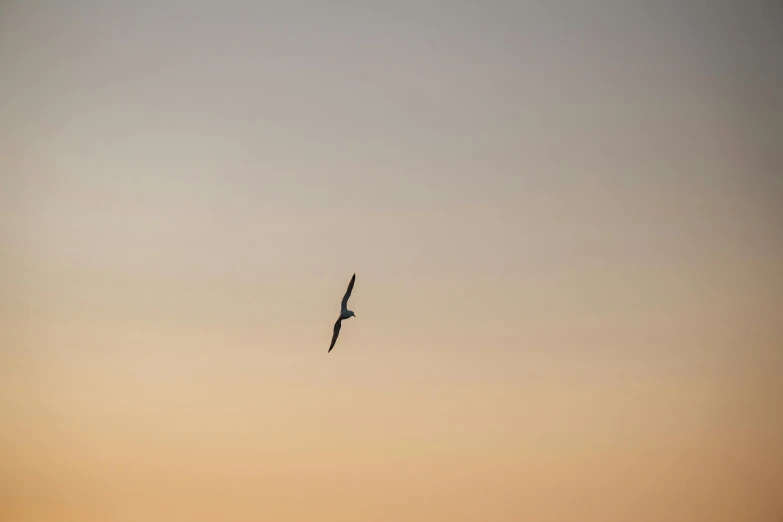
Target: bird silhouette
point(344, 313)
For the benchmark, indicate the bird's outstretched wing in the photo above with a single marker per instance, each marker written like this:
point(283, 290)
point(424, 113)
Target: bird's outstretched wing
point(344, 304)
point(336, 332)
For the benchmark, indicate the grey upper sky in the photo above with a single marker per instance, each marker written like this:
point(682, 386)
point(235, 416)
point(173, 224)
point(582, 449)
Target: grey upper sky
point(288, 109)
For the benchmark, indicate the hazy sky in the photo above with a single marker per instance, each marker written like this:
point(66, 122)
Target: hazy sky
point(566, 221)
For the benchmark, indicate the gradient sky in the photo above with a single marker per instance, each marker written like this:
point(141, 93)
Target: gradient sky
point(566, 223)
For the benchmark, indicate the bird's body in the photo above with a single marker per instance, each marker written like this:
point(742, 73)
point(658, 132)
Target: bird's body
point(344, 313)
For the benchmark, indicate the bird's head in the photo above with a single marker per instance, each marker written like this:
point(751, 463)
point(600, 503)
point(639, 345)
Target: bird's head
point(351, 314)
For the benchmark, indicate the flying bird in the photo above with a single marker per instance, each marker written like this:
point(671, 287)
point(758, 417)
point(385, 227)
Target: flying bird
point(344, 313)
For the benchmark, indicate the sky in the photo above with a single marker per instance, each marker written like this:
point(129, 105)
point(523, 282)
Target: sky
point(565, 220)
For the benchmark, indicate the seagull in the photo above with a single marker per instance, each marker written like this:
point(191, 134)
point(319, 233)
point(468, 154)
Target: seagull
point(344, 313)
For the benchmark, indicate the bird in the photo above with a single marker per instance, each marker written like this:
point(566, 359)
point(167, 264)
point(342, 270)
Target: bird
point(344, 313)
